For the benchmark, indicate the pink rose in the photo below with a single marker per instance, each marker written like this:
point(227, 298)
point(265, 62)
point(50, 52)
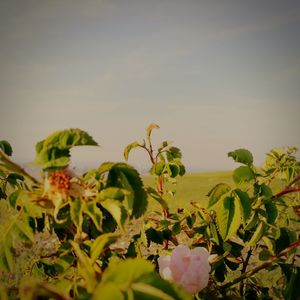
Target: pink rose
point(188, 268)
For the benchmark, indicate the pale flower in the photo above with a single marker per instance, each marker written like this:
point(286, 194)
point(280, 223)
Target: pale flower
point(188, 268)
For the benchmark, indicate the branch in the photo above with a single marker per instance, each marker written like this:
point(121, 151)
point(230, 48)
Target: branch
point(262, 266)
point(15, 167)
point(286, 191)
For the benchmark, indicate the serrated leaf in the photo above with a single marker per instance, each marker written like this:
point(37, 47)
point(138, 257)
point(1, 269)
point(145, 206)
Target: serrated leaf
point(258, 234)
point(54, 151)
point(243, 156)
point(6, 148)
point(245, 204)
point(129, 148)
point(271, 211)
point(124, 176)
point(100, 243)
point(173, 153)
point(243, 174)
point(228, 216)
point(216, 192)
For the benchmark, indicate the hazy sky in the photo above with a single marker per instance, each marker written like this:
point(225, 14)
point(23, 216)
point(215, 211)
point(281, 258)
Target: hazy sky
point(215, 75)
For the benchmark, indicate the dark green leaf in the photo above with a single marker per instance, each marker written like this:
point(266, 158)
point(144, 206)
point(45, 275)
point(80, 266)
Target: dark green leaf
point(271, 211)
point(154, 236)
point(6, 148)
point(242, 174)
point(243, 156)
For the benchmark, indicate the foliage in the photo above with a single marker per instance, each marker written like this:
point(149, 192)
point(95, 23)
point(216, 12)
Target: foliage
point(96, 236)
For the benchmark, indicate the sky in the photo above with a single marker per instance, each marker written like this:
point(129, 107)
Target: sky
point(214, 75)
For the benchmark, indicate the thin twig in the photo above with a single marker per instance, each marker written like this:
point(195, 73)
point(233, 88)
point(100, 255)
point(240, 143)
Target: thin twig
point(262, 266)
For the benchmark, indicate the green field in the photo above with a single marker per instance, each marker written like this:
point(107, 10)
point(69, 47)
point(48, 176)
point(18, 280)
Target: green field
point(193, 187)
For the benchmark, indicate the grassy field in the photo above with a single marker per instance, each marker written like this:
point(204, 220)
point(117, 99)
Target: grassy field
point(193, 187)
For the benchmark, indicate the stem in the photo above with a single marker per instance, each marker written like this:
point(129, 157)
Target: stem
point(16, 168)
point(286, 191)
point(262, 266)
point(245, 265)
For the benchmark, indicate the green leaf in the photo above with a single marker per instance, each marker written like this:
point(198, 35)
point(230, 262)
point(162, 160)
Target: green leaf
point(252, 222)
point(86, 269)
point(163, 145)
point(176, 228)
point(157, 168)
point(124, 176)
point(100, 243)
point(151, 291)
point(13, 178)
point(76, 211)
point(108, 290)
point(243, 156)
point(173, 153)
point(264, 255)
point(258, 234)
point(112, 193)
point(6, 148)
point(54, 151)
point(154, 235)
point(12, 198)
point(270, 244)
point(242, 174)
point(171, 169)
point(25, 229)
point(271, 211)
point(214, 233)
point(228, 216)
point(129, 148)
point(216, 192)
point(94, 213)
point(128, 271)
point(286, 238)
point(245, 204)
point(116, 209)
